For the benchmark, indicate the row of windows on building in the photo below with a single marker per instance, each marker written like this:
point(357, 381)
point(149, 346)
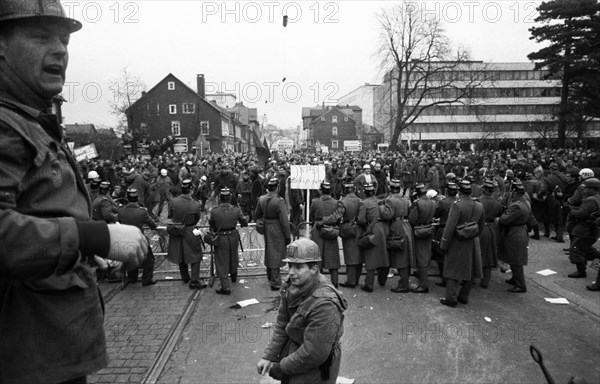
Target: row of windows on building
point(532, 109)
point(480, 127)
point(153, 109)
point(334, 119)
point(515, 93)
point(176, 128)
point(447, 74)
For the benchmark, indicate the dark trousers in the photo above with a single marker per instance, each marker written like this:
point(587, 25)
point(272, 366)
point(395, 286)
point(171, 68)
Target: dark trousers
point(423, 277)
point(453, 293)
point(147, 269)
point(381, 277)
point(404, 278)
point(518, 275)
point(353, 274)
point(185, 273)
point(487, 276)
point(79, 380)
point(333, 275)
point(274, 276)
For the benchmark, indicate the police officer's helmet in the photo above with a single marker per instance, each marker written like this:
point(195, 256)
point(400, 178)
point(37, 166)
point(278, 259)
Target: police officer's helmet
point(395, 184)
point(36, 11)
point(452, 186)
point(186, 185)
point(518, 186)
point(272, 183)
point(348, 186)
point(465, 187)
point(420, 189)
point(225, 192)
point(488, 185)
point(132, 195)
point(104, 186)
point(303, 250)
point(369, 187)
point(325, 187)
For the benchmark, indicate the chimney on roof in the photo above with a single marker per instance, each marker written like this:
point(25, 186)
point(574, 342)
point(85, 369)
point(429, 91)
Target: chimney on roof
point(143, 93)
point(201, 85)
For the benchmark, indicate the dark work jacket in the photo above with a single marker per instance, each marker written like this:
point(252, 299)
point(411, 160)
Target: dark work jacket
point(51, 316)
point(309, 326)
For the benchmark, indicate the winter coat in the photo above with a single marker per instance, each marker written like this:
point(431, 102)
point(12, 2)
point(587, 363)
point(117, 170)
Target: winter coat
point(321, 209)
point(488, 237)
point(422, 212)
point(514, 238)
point(51, 312)
point(463, 257)
point(368, 219)
point(348, 212)
point(395, 211)
point(307, 332)
point(223, 220)
point(277, 228)
point(184, 246)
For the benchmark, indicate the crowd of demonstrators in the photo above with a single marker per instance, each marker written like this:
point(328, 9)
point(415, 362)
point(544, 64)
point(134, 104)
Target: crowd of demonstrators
point(551, 181)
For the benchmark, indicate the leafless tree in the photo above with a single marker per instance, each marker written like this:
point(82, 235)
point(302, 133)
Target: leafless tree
point(421, 66)
point(127, 89)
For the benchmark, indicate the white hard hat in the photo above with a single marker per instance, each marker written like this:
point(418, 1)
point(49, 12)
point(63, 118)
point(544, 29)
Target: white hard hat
point(163, 172)
point(95, 175)
point(366, 166)
point(586, 173)
point(203, 178)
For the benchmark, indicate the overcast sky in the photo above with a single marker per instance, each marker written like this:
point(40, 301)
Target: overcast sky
point(241, 47)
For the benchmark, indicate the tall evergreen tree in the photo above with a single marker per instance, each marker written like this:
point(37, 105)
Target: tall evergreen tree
point(572, 29)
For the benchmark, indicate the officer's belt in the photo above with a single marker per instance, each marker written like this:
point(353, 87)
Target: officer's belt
point(271, 218)
point(226, 231)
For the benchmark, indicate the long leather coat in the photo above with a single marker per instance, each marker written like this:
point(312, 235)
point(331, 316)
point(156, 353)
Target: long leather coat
point(223, 220)
point(368, 219)
point(321, 208)
point(184, 246)
point(514, 238)
point(463, 257)
point(277, 228)
point(422, 212)
point(347, 212)
point(395, 211)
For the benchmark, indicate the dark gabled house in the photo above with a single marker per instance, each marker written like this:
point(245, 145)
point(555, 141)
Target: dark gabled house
point(171, 108)
point(330, 126)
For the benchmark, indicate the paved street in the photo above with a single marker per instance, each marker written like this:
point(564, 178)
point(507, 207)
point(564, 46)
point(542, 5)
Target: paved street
point(154, 336)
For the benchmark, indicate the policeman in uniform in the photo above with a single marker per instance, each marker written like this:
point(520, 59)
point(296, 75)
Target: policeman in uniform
point(463, 256)
point(347, 209)
point(585, 232)
point(133, 214)
point(514, 237)
point(422, 212)
point(104, 208)
point(488, 238)
point(395, 210)
point(277, 235)
point(322, 211)
point(223, 220)
point(184, 246)
point(441, 212)
point(376, 258)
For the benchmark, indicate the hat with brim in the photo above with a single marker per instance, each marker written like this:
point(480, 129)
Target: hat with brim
point(303, 250)
point(36, 12)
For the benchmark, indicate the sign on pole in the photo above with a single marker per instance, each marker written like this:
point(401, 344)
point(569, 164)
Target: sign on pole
point(307, 176)
point(85, 153)
point(352, 146)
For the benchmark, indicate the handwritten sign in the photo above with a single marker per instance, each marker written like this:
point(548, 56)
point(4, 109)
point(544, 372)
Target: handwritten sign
point(307, 176)
point(85, 153)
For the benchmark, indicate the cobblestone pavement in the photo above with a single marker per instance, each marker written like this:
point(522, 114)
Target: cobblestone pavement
point(138, 322)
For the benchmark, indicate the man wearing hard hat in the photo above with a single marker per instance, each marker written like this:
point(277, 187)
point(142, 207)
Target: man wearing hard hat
point(305, 347)
point(51, 317)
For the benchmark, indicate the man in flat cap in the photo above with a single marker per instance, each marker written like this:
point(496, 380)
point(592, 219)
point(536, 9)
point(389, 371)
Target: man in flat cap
point(223, 221)
point(305, 346)
point(273, 210)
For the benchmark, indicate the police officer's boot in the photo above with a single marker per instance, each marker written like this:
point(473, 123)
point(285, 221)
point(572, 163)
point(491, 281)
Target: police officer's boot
point(536, 232)
point(580, 271)
point(596, 285)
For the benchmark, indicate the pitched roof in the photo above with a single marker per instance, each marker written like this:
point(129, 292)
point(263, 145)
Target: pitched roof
point(86, 129)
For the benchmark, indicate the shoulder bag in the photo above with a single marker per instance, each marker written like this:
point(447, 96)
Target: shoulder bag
point(468, 230)
point(424, 231)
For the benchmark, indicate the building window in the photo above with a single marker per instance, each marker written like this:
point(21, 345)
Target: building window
point(188, 108)
point(157, 109)
point(171, 85)
point(172, 109)
point(334, 119)
point(175, 128)
point(346, 118)
point(334, 144)
point(204, 128)
point(334, 131)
